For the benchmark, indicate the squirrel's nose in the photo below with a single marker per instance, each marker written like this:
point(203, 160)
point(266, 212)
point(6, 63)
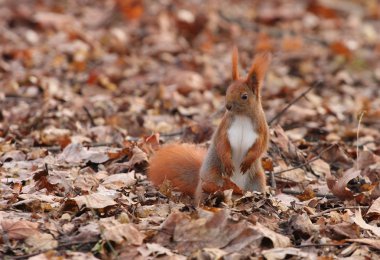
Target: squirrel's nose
point(228, 106)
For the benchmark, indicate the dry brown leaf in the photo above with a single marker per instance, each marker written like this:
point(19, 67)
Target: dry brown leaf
point(339, 187)
point(94, 201)
point(282, 141)
point(340, 48)
point(19, 229)
point(215, 230)
point(55, 255)
point(14, 155)
point(185, 81)
point(209, 253)
point(118, 181)
point(76, 153)
point(358, 219)
point(301, 226)
point(154, 250)
point(284, 253)
point(41, 242)
point(138, 157)
point(296, 175)
point(366, 159)
point(375, 207)
point(342, 230)
point(54, 136)
point(367, 241)
point(307, 194)
point(131, 9)
point(122, 232)
point(87, 232)
point(336, 156)
point(320, 167)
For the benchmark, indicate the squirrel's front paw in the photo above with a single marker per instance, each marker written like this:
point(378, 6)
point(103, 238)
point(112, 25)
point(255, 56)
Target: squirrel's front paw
point(228, 169)
point(245, 165)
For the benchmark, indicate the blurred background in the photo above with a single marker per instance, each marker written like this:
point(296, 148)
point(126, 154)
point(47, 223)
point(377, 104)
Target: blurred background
point(122, 68)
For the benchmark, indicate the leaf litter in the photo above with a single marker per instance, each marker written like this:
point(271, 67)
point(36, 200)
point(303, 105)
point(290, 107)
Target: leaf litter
point(89, 92)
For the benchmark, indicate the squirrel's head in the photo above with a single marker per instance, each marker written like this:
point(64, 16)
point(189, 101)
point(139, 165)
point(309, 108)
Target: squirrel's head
point(243, 94)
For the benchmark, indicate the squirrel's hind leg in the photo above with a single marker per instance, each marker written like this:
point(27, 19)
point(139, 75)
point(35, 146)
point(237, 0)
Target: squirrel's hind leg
point(258, 177)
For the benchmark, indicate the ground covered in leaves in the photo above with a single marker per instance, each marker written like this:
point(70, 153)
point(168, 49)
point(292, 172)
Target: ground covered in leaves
point(89, 89)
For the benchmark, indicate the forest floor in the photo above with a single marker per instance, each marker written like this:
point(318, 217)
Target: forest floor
point(89, 89)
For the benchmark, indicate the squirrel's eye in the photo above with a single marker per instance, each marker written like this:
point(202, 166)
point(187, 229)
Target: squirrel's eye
point(244, 96)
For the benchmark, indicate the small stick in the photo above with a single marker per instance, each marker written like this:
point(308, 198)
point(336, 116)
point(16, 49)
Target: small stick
point(320, 195)
point(308, 162)
point(320, 245)
point(357, 139)
point(92, 122)
point(272, 180)
point(282, 112)
point(172, 134)
point(320, 214)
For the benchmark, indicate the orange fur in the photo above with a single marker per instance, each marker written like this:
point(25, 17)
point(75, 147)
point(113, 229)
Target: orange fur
point(259, 68)
point(223, 148)
point(235, 64)
point(178, 163)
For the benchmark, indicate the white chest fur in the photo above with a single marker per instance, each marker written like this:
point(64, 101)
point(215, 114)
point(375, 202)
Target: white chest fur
point(242, 136)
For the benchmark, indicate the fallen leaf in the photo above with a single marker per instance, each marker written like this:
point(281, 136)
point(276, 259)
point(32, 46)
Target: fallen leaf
point(301, 226)
point(367, 241)
point(342, 230)
point(122, 232)
point(154, 250)
point(209, 253)
point(94, 201)
point(41, 242)
point(339, 187)
point(118, 181)
point(19, 229)
point(285, 253)
point(375, 207)
point(358, 219)
point(76, 153)
point(320, 167)
point(68, 255)
point(215, 230)
point(282, 141)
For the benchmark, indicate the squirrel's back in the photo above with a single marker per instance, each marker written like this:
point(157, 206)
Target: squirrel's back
point(178, 163)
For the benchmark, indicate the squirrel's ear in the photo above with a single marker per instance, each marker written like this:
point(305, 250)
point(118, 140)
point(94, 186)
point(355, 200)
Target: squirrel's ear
point(235, 63)
point(258, 69)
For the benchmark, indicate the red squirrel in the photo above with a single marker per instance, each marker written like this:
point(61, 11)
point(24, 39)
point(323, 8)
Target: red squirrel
point(233, 160)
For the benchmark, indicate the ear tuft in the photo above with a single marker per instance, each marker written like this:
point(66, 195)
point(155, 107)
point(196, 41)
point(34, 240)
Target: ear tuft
point(235, 63)
point(258, 69)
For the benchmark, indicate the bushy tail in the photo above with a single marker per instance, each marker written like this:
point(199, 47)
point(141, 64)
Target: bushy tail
point(178, 163)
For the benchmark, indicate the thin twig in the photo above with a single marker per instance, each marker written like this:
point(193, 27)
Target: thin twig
point(308, 162)
point(92, 122)
point(320, 245)
point(282, 112)
point(272, 180)
point(357, 139)
point(319, 195)
point(320, 214)
point(172, 134)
